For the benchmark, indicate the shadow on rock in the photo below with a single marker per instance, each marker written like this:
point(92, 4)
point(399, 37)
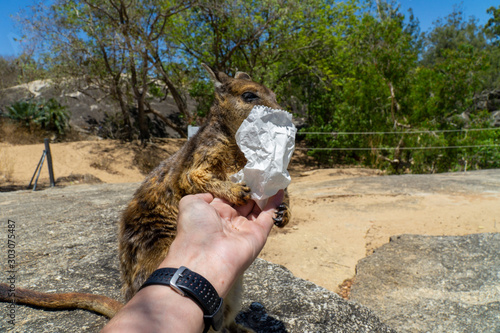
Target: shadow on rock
point(257, 319)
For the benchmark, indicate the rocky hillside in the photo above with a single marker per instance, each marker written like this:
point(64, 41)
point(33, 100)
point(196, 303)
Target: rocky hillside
point(90, 107)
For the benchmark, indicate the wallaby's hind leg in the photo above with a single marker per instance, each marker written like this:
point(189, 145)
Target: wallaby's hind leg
point(283, 214)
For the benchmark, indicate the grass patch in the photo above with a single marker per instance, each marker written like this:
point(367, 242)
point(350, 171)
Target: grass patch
point(15, 134)
point(6, 167)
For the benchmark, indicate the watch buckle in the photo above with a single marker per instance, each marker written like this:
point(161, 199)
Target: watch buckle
point(175, 278)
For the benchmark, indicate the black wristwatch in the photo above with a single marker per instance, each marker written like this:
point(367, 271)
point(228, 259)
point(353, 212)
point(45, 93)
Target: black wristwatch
point(193, 285)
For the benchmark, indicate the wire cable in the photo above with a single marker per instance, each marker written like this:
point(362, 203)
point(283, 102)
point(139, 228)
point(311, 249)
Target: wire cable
point(407, 132)
point(400, 148)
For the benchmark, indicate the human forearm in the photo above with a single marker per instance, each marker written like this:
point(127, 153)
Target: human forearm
point(213, 240)
point(157, 309)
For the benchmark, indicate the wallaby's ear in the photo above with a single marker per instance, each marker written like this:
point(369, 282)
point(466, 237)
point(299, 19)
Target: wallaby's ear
point(242, 76)
point(211, 73)
point(218, 79)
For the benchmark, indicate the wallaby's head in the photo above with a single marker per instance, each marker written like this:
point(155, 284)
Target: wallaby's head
point(235, 97)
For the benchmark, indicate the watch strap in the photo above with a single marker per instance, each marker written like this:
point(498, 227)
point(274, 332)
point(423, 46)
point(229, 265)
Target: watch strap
point(192, 285)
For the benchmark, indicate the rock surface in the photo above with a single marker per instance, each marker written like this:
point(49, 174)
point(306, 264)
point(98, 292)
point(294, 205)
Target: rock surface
point(433, 284)
point(66, 242)
point(278, 302)
point(89, 106)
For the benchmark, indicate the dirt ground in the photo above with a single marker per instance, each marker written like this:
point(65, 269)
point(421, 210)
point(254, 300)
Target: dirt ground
point(330, 230)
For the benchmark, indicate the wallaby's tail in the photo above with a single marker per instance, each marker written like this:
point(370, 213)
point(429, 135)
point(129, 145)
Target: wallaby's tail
point(96, 303)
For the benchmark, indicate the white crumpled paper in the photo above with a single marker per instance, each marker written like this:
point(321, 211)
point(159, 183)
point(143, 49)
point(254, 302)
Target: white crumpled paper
point(267, 138)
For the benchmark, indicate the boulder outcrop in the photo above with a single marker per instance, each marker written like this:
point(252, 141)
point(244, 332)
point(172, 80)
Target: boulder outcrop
point(433, 283)
point(66, 242)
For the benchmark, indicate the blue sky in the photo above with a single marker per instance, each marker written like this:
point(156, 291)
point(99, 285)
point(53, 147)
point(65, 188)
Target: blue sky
point(427, 11)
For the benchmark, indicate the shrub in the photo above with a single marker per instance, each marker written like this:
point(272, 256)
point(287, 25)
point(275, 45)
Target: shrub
point(56, 116)
point(25, 112)
point(49, 115)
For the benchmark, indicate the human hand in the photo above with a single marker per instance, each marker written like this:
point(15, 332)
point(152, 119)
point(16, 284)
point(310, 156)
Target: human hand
point(213, 239)
point(218, 240)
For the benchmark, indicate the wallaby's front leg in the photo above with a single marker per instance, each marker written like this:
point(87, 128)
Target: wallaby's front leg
point(203, 180)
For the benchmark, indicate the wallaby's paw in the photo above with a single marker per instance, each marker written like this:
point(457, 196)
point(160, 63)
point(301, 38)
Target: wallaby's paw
point(240, 193)
point(283, 215)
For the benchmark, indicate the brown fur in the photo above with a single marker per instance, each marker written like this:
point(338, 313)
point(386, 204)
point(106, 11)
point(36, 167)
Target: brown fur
point(148, 225)
point(203, 164)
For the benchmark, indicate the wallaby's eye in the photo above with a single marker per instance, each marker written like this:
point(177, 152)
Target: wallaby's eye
point(249, 97)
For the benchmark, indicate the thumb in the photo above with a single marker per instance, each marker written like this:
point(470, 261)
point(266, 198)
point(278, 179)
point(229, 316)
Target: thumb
point(275, 201)
point(270, 209)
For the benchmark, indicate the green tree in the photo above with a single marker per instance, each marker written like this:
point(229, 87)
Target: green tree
point(365, 72)
point(492, 31)
point(120, 46)
point(492, 28)
point(347, 66)
point(449, 34)
point(9, 71)
point(262, 38)
point(454, 69)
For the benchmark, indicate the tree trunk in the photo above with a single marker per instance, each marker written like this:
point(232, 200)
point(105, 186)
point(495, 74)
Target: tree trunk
point(167, 121)
point(143, 123)
point(123, 107)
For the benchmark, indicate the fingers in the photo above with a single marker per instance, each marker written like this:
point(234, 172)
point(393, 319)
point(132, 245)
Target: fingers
point(224, 207)
point(221, 200)
point(207, 197)
point(248, 209)
point(275, 201)
point(251, 210)
point(189, 200)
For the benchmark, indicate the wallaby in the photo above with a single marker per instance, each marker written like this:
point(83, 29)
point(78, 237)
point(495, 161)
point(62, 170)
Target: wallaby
point(148, 225)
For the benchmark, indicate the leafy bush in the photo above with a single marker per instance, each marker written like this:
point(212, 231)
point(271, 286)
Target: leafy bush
point(56, 116)
point(49, 115)
point(25, 112)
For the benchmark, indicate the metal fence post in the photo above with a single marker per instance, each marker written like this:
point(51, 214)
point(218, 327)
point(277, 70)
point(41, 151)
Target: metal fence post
point(49, 163)
point(39, 169)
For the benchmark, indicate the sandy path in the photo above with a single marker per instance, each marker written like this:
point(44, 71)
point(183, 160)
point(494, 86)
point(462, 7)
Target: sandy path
point(110, 161)
point(332, 227)
point(74, 158)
